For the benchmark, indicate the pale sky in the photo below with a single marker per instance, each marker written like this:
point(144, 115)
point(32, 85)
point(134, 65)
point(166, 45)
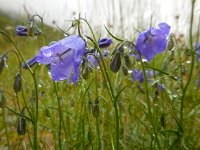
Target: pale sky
point(134, 13)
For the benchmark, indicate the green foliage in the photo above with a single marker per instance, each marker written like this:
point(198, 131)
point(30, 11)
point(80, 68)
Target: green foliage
point(83, 116)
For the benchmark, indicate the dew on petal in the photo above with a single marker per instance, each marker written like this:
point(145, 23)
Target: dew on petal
point(47, 53)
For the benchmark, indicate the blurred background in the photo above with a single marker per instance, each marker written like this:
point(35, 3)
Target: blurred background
point(121, 16)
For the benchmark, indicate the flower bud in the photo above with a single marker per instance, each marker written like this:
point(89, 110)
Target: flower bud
point(90, 106)
point(127, 60)
point(1, 64)
point(162, 120)
point(85, 69)
point(47, 113)
point(21, 124)
point(2, 99)
point(96, 108)
point(124, 70)
point(17, 83)
point(105, 42)
point(170, 44)
point(21, 30)
point(115, 63)
point(2, 61)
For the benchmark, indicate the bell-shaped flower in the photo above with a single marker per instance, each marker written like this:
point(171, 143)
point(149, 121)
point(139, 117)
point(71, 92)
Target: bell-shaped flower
point(64, 58)
point(153, 41)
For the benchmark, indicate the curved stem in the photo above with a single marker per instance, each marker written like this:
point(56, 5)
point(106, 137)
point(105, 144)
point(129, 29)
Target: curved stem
point(191, 69)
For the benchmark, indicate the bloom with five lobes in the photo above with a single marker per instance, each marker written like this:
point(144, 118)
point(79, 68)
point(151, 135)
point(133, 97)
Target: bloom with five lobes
point(153, 41)
point(64, 58)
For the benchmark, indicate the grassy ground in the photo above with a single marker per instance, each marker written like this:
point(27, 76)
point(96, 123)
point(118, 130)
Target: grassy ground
point(70, 114)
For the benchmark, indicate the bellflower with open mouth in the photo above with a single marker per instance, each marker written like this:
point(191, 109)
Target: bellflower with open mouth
point(64, 58)
point(153, 41)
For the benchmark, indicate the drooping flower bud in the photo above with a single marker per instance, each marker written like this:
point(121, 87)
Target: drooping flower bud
point(1, 64)
point(2, 99)
point(22, 31)
point(47, 112)
point(115, 63)
point(85, 69)
point(2, 61)
point(105, 42)
point(162, 120)
point(17, 83)
point(170, 42)
point(90, 106)
point(124, 70)
point(96, 108)
point(21, 124)
point(127, 60)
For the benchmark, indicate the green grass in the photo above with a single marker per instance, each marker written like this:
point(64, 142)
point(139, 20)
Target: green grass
point(76, 124)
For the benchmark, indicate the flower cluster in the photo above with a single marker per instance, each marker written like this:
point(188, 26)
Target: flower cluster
point(65, 56)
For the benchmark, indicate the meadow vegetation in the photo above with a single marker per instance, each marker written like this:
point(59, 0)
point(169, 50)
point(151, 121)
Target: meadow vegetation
point(124, 99)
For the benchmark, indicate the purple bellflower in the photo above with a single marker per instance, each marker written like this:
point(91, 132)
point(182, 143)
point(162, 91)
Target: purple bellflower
point(94, 62)
point(22, 31)
point(64, 58)
point(105, 42)
point(153, 41)
point(25, 31)
point(197, 47)
point(138, 75)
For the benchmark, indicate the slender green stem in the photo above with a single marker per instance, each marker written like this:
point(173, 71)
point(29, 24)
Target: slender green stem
point(98, 133)
point(149, 104)
point(6, 130)
point(60, 116)
point(191, 70)
point(35, 143)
